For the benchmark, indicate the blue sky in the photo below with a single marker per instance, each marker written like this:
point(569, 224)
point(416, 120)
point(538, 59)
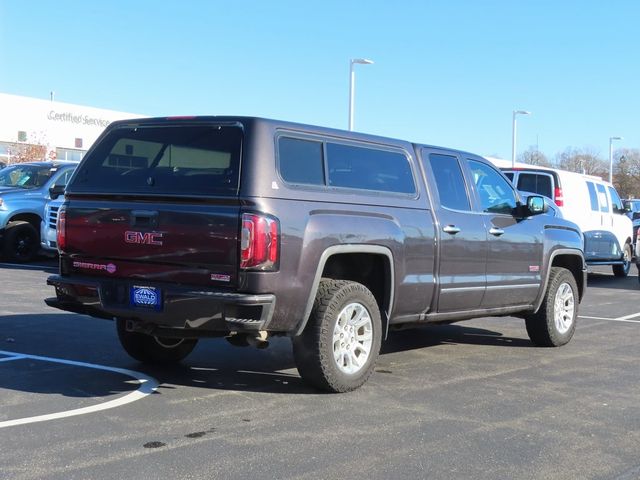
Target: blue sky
point(446, 72)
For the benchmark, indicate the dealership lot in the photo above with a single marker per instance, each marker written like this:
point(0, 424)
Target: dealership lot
point(470, 400)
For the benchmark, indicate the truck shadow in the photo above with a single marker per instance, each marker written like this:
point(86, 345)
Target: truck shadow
point(214, 364)
point(608, 280)
point(432, 335)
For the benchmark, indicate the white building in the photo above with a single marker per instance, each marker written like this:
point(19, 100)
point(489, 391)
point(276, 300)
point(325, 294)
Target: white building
point(63, 131)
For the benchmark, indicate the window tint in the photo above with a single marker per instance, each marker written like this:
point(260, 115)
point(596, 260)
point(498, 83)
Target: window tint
point(496, 193)
point(615, 200)
point(196, 160)
point(593, 197)
point(602, 195)
point(449, 182)
point(26, 175)
point(301, 161)
point(509, 175)
point(536, 183)
point(366, 168)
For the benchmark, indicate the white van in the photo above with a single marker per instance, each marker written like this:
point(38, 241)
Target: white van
point(590, 202)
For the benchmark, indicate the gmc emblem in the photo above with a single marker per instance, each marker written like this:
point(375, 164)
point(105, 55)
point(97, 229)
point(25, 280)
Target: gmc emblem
point(149, 238)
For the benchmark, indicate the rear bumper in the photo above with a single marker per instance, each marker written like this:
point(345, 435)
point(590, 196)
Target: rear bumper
point(194, 311)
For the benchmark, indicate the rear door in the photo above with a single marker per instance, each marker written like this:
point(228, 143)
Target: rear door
point(461, 234)
point(158, 202)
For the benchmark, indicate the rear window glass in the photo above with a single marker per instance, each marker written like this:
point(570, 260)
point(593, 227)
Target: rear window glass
point(301, 161)
point(179, 160)
point(364, 168)
point(533, 182)
point(593, 197)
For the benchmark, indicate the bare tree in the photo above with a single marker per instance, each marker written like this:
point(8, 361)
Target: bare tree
point(533, 156)
point(626, 172)
point(582, 161)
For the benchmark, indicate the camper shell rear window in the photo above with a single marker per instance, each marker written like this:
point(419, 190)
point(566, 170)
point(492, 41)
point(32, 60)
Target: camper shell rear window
point(163, 160)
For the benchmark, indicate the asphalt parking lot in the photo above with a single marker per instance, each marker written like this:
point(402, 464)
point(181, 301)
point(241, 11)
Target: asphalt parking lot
point(470, 400)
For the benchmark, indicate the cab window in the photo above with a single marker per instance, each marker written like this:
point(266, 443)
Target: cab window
point(494, 191)
point(615, 200)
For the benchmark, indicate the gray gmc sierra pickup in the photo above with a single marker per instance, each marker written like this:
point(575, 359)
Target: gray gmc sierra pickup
point(186, 227)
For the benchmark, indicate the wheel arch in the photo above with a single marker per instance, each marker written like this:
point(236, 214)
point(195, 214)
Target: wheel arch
point(33, 218)
point(573, 261)
point(370, 265)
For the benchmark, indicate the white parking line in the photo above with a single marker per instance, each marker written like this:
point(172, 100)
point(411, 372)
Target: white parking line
point(147, 386)
point(626, 319)
point(16, 357)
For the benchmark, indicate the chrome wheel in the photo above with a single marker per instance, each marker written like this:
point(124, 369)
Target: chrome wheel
point(564, 308)
point(352, 338)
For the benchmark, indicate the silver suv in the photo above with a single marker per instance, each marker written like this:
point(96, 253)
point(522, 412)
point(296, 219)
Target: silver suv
point(25, 188)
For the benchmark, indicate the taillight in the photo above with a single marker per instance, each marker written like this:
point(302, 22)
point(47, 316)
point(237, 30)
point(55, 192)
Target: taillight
point(259, 238)
point(557, 195)
point(61, 229)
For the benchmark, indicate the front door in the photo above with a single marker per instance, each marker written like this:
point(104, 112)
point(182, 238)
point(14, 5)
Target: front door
point(515, 250)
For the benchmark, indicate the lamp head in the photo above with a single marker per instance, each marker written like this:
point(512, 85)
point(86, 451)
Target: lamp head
point(362, 61)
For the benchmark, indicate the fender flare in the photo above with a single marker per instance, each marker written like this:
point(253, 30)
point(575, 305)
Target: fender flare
point(349, 248)
point(555, 253)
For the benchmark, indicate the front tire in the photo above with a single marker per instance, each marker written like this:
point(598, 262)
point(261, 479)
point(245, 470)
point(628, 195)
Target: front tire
point(154, 350)
point(623, 270)
point(338, 349)
point(21, 242)
point(554, 323)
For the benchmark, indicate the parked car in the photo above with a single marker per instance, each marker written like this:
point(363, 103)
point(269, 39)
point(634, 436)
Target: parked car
point(48, 226)
point(632, 207)
point(182, 228)
point(590, 202)
point(25, 188)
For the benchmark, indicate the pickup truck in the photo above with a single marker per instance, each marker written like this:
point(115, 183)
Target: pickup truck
point(187, 227)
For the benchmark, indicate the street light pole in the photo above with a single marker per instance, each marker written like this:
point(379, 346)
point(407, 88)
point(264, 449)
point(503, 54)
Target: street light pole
point(611, 139)
point(352, 84)
point(513, 134)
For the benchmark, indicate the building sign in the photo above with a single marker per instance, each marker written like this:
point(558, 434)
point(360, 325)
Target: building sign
point(77, 119)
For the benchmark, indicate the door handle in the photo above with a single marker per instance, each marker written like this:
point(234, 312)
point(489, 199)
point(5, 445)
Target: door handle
point(496, 231)
point(452, 229)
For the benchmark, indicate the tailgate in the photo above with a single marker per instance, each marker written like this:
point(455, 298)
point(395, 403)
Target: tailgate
point(190, 244)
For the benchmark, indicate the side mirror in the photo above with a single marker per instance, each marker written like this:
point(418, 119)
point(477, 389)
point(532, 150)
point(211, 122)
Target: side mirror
point(636, 215)
point(536, 205)
point(56, 191)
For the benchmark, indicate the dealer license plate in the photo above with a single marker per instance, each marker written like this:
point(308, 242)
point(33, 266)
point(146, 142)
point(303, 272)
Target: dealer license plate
point(146, 297)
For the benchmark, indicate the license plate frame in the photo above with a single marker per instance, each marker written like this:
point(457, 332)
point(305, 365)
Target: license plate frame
point(145, 297)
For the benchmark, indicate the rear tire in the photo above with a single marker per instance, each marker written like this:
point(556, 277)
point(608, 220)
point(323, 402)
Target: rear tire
point(623, 270)
point(337, 350)
point(21, 242)
point(554, 323)
point(154, 350)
